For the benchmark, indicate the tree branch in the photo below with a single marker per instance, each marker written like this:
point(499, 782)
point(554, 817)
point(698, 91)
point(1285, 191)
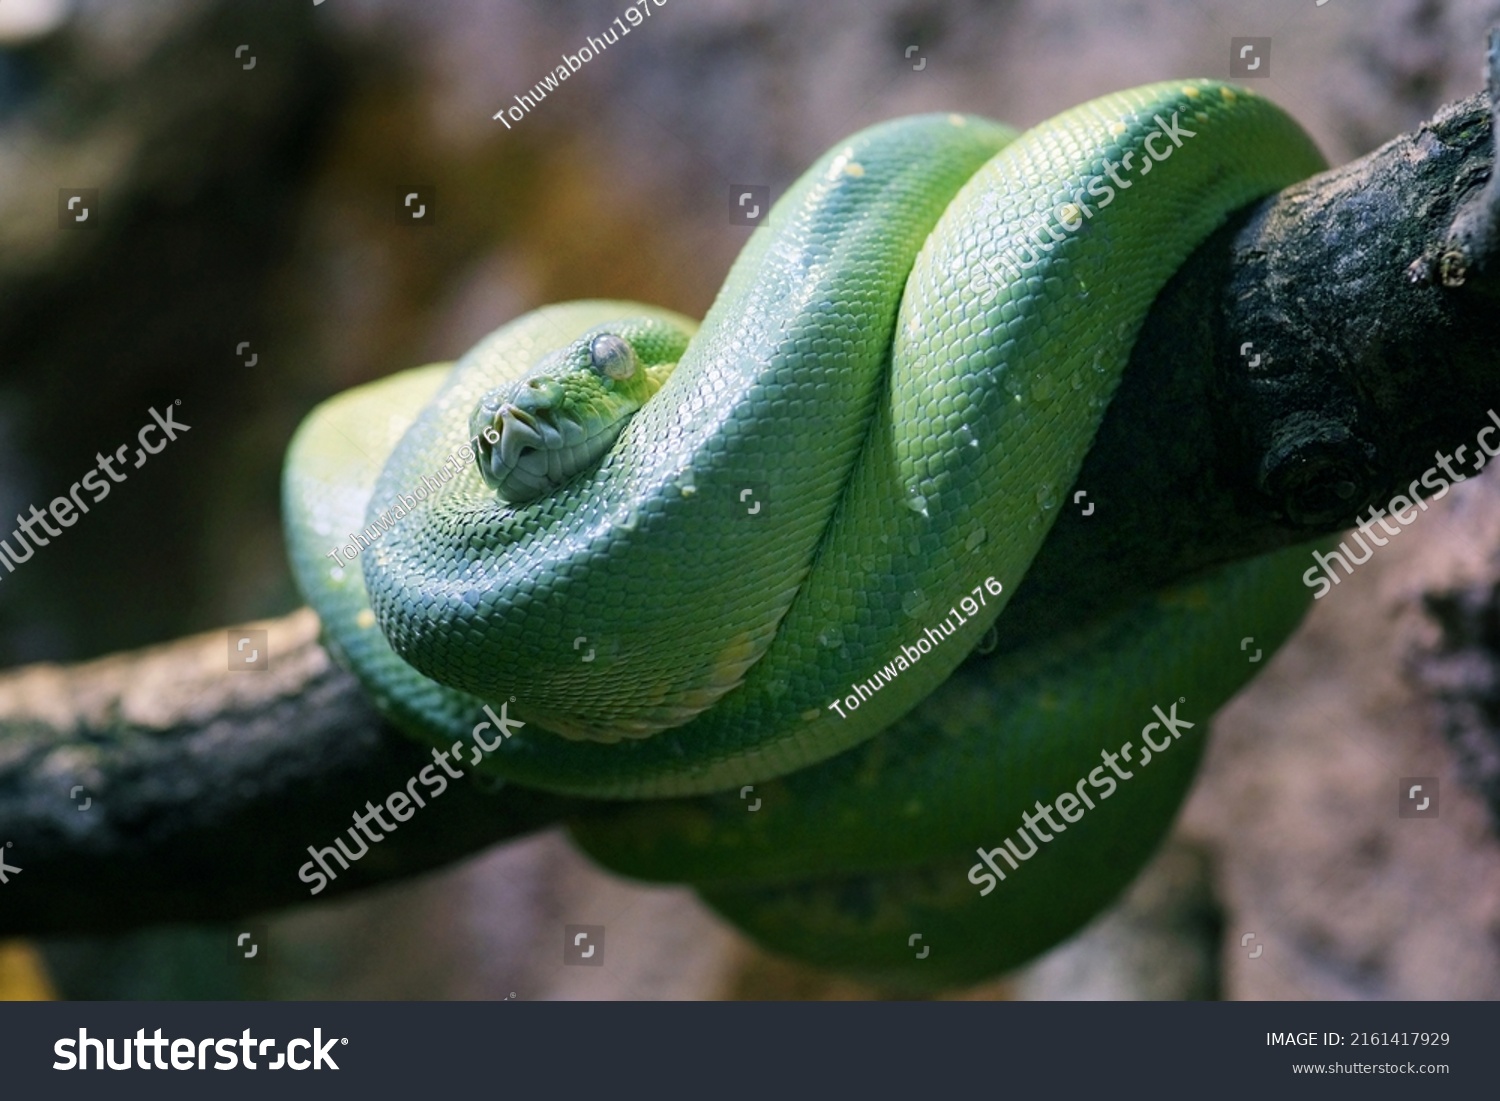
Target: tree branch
point(1305, 363)
point(204, 787)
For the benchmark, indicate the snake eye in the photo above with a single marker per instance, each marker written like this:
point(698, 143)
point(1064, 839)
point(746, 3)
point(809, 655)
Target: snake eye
point(612, 356)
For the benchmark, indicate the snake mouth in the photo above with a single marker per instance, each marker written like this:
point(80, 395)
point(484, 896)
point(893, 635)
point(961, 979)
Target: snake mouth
point(522, 431)
point(538, 451)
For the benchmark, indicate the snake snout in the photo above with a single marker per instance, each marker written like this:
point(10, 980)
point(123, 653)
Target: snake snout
point(539, 394)
point(537, 443)
point(524, 462)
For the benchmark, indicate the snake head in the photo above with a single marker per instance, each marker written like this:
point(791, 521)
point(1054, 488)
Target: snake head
point(561, 417)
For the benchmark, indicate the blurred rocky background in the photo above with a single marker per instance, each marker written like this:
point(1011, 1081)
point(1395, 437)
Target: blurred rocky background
point(248, 252)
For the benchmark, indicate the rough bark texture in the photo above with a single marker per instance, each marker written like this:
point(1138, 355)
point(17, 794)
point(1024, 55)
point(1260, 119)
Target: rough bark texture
point(201, 789)
point(1472, 250)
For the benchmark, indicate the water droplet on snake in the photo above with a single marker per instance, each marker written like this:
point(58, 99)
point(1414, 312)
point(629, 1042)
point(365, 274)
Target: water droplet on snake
point(831, 638)
point(976, 538)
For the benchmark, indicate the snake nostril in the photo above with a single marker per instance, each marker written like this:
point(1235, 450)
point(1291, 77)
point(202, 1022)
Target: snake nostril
point(540, 394)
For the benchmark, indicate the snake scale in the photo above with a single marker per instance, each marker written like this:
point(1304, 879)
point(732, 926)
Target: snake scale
point(728, 575)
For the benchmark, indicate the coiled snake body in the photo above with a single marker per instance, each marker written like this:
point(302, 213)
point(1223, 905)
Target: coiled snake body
point(741, 594)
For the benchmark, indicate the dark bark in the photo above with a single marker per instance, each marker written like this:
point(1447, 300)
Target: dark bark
point(1363, 299)
point(204, 787)
point(1473, 246)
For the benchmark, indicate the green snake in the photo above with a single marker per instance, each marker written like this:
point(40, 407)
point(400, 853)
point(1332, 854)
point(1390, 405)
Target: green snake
point(726, 573)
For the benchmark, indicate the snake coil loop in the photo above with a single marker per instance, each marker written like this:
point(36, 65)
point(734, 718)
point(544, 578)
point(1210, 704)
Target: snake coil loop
point(904, 370)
